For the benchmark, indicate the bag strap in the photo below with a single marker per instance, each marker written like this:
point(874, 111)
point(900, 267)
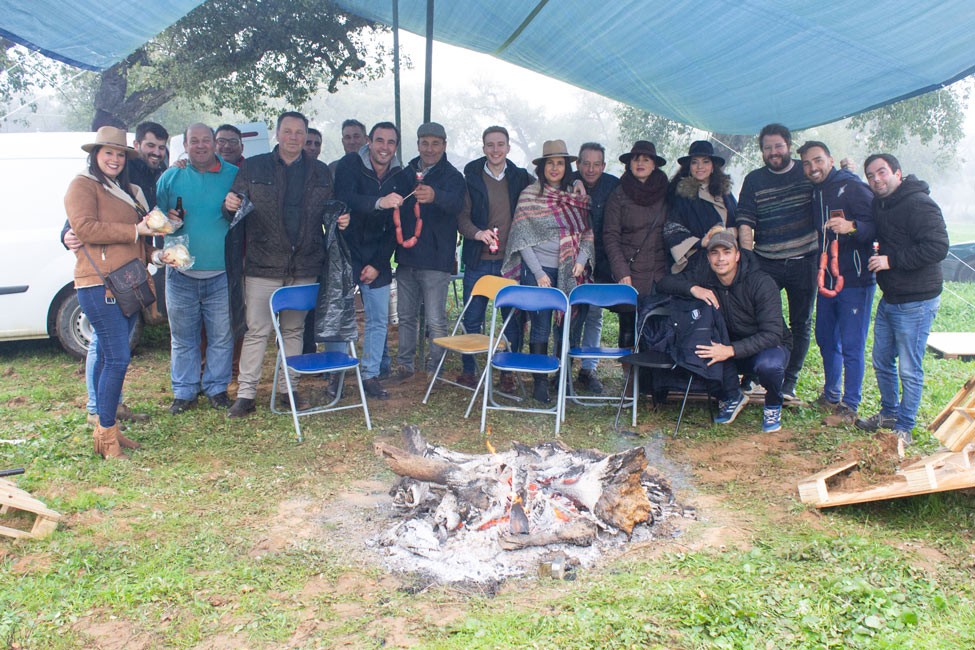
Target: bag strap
point(639, 248)
point(84, 247)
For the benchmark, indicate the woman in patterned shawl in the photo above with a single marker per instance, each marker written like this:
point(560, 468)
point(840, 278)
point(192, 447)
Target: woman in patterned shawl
point(550, 242)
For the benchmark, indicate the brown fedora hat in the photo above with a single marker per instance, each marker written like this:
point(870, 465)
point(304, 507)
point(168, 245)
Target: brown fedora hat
point(645, 148)
point(555, 149)
point(109, 136)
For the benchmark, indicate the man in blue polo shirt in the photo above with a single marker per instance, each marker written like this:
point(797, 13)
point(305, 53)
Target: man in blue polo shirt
point(199, 294)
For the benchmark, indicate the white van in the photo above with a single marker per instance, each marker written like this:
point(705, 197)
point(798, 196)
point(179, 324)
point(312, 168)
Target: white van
point(37, 297)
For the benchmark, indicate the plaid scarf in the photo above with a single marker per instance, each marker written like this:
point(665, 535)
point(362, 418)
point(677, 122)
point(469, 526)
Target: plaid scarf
point(544, 214)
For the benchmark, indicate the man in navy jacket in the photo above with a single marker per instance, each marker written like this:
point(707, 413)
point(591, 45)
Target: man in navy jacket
point(370, 183)
point(493, 185)
point(841, 212)
point(426, 256)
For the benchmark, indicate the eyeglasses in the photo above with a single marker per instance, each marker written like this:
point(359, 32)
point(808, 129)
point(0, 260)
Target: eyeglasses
point(226, 141)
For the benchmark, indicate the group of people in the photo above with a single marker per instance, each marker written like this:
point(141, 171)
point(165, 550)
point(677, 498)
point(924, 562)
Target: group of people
point(256, 224)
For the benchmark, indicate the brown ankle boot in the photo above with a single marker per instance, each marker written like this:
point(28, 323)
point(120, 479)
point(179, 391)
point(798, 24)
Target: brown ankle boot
point(127, 443)
point(107, 444)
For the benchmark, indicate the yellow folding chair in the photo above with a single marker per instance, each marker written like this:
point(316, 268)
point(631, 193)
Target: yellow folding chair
point(473, 344)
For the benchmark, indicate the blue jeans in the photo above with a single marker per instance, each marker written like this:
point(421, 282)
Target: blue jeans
point(768, 365)
point(190, 303)
point(376, 304)
point(474, 316)
point(91, 358)
point(541, 321)
point(842, 324)
point(112, 349)
point(900, 334)
point(415, 287)
point(798, 278)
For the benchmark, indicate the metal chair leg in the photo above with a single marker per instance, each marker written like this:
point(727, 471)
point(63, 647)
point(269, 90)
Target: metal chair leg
point(683, 404)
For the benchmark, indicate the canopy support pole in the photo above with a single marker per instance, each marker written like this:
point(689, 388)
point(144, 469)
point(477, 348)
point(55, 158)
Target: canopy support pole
point(428, 78)
point(396, 95)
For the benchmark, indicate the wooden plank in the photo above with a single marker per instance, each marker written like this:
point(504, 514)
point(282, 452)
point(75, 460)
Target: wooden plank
point(13, 498)
point(939, 472)
point(952, 345)
point(814, 489)
point(959, 400)
point(958, 429)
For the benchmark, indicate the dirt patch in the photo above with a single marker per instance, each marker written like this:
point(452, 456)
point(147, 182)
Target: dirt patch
point(112, 634)
point(877, 458)
point(767, 463)
point(294, 521)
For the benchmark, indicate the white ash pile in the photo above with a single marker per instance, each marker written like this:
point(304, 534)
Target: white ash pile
point(464, 517)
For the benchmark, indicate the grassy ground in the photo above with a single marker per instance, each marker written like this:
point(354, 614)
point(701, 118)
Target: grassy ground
point(224, 534)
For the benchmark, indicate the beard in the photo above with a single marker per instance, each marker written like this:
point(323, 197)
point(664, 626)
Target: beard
point(778, 163)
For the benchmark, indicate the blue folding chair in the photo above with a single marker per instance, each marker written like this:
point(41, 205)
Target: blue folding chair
point(303, 297)
point(525, 298)
point(600, 296)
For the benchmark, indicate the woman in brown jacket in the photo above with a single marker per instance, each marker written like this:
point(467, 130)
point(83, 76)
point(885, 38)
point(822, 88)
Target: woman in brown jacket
point(107, 214)
point(633, 226)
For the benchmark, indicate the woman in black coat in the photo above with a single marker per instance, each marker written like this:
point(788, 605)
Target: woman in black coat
point(700, 203)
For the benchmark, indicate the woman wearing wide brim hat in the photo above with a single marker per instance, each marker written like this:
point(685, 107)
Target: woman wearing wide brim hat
point(700, 203)
point(550, 243)
point(633, 226)
point(107, 214)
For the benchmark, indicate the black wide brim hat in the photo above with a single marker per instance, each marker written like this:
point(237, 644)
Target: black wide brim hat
point(645, 148)
point(700, 148)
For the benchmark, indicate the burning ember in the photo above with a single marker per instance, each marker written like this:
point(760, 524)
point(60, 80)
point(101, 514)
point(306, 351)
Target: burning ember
point(491, 516)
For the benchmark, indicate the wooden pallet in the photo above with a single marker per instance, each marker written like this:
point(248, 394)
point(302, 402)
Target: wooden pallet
point(13, 498)
point(940, 472)
point(955, 425)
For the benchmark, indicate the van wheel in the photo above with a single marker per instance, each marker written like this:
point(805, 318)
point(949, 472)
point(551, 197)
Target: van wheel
point(74, 330)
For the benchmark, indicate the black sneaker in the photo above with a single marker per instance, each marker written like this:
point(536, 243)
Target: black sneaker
point(590, 382)
point(243, 407)
point(219, 401)
point(181, 405)
point(374, 389)
point(402, 375)
point(301, 402)
point(874, 422)
point(824, 402)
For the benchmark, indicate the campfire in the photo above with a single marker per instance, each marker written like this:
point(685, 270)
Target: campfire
point(501, 514)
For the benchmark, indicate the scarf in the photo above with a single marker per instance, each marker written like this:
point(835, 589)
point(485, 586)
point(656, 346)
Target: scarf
point(646, 193)
point(116, 190)
point(540, 218)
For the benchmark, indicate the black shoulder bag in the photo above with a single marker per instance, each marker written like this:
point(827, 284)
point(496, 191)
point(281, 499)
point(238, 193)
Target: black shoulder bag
point(129, 284)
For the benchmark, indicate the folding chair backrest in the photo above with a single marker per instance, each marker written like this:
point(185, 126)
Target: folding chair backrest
point(528, 298)
point(301, 297)
point(489, 286)
point(604, 295)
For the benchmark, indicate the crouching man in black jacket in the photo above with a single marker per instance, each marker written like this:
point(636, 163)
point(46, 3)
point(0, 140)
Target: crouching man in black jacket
point(732, 283)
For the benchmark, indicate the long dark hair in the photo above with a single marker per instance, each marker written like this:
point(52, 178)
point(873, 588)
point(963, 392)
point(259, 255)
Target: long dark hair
point(566, 181)
point(122, 180)
point(717, 184)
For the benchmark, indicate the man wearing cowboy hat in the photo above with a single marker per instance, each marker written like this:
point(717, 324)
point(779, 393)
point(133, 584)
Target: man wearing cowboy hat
point(774, 219)
point(424, 268)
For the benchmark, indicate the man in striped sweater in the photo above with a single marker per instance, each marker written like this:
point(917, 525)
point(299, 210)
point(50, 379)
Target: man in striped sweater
point(775, 220)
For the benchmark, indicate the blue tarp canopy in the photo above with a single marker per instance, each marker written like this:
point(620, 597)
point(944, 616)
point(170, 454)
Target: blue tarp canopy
point(88, 34)
point(724, 66)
